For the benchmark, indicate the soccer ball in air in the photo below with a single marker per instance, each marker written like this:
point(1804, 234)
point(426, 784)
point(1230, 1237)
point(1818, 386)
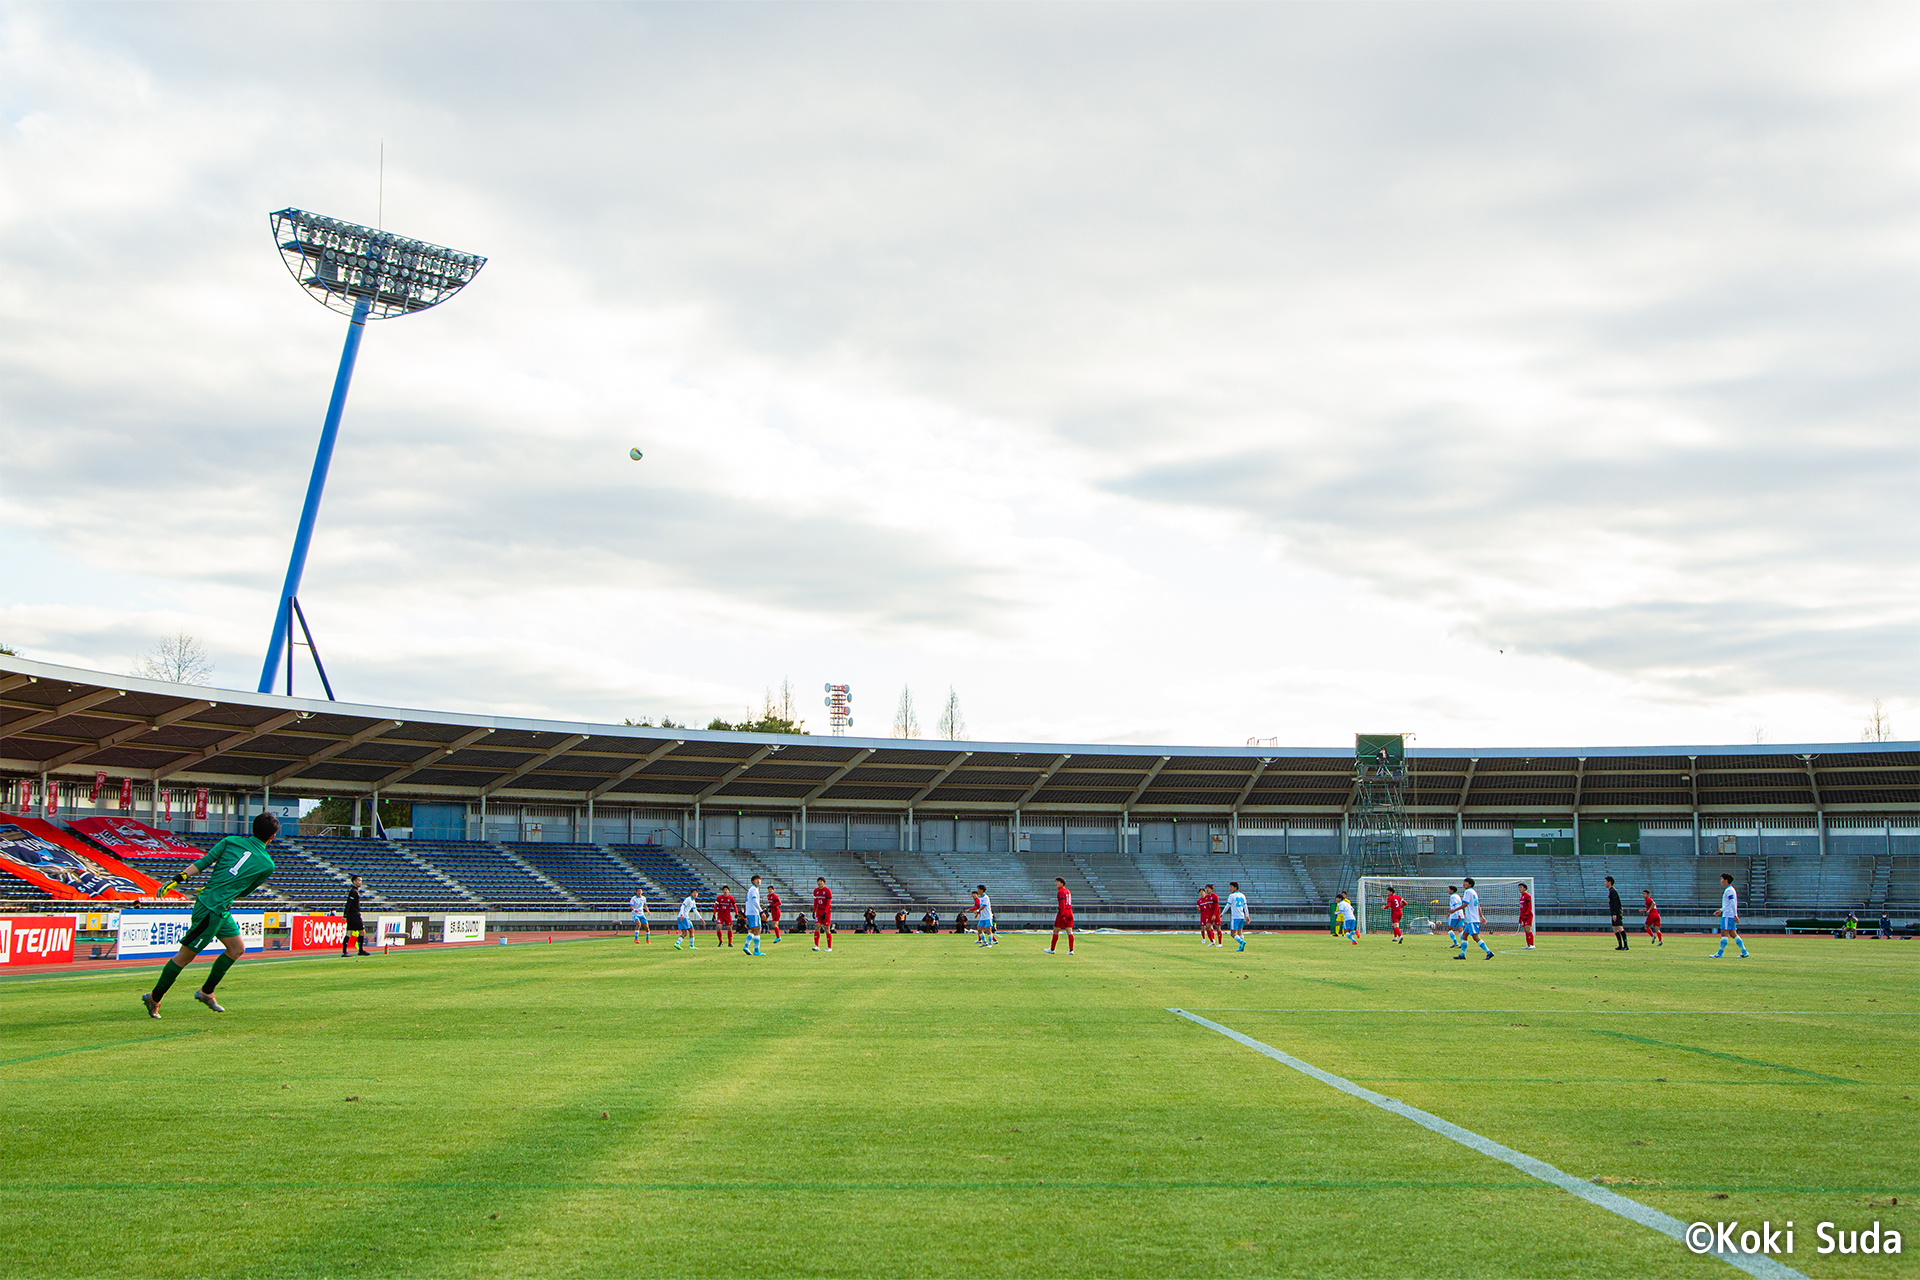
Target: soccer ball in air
point(634, 454)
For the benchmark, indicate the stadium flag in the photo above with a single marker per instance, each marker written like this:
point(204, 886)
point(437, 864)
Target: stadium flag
point(99, 781)
point(126, 794)
point(200, 804)
point(50, 798)
point(166, 806)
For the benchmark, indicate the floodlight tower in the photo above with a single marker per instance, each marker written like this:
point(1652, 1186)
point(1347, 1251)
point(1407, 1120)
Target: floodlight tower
point(1379, 844)
point(363, 273)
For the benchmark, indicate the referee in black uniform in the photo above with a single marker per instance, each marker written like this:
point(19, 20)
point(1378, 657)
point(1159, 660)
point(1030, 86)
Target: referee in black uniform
point(354, 924)
point(1619, 922)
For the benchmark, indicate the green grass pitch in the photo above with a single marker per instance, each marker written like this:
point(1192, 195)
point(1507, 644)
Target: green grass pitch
point(918, 1106)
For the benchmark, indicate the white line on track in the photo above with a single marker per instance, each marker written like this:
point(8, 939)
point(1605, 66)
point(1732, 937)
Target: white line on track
point(1757, 1265)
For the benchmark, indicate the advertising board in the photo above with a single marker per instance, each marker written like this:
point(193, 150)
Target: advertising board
point(158, 933)
point(36, 939)
point(465, 929)
point(319, 933)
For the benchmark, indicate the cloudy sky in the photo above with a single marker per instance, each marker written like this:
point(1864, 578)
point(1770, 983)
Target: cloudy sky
point(1508, 374)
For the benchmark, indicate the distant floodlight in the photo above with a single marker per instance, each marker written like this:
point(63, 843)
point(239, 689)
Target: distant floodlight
point(343, 263)
point(361, 272)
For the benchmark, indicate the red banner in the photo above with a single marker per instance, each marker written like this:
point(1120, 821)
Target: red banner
point(166, 805)
point(200, 805)
point(36, 940)
point(319, 933)
point(65, 865)
point(99, 781)
point(126, 794)
point(50, 798)
point(127, 838)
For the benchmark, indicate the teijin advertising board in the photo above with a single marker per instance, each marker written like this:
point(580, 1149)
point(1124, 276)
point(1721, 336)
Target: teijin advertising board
point(36, 939)
point(158, 933)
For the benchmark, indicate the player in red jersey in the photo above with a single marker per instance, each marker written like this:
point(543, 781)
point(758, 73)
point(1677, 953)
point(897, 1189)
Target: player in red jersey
point(1062, 916)
point(1210, 916)
point(723, 917)
point(1526, 915)
point(1653, 919)
point(773, 913)
point(1396, 907)
point(822, 914)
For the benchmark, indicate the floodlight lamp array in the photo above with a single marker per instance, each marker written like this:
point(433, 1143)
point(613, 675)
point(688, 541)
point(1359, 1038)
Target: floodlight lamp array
point(343, 264)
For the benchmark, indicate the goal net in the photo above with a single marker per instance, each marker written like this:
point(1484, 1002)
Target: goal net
point(1427, 896)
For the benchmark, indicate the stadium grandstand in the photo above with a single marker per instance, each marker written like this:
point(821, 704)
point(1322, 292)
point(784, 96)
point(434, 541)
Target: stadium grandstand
point(545, 823)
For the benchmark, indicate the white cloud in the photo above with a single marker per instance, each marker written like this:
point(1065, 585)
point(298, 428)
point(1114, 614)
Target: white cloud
point(1148, 373)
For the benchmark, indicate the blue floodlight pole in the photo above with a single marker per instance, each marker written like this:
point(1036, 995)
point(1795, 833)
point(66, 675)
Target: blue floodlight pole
point(362, 273)
point(316, 485)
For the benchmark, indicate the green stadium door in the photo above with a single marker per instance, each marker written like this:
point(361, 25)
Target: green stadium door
point(1544, 836)
point(1609, 837)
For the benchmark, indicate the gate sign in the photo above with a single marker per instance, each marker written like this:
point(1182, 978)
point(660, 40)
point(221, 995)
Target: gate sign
point(158, 933)
point(319, 933)
point(36, 939)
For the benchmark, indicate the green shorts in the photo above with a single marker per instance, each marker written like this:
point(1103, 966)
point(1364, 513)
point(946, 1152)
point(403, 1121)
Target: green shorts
point(207, 925)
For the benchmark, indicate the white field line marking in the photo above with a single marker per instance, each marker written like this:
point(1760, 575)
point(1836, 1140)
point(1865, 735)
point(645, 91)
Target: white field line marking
point(1703, 1013)
point(1754, 1265)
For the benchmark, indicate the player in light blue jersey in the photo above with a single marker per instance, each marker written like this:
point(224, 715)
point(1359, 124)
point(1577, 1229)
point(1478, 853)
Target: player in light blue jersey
point(752, 947)
point(1469, 901)
point(983, 917)
point(1237, 914)
point(1729, 917)
point(689, 916)
point(638, 905)
point(1455, 915)
point(1349, 922)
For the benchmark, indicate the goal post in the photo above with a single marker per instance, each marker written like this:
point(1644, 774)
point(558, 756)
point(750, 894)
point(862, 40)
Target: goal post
point(1427, 897)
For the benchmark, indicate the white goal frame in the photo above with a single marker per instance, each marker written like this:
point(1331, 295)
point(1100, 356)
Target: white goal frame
point(1432, 887)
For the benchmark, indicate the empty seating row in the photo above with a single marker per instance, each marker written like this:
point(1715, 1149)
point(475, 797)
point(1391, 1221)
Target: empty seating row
point(586, 871)
point(388, 873)
point(486, 871)
point(663, 869)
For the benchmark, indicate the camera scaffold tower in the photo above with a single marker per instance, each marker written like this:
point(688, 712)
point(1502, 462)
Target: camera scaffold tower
point(1377, 839)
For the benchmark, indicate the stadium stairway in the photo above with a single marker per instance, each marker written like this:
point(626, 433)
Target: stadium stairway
point(1757, 881)
point(588, 872)
point(490, 874)
point(1882, 882)
point(392, 876)
point(887, 880)
point(663, 868)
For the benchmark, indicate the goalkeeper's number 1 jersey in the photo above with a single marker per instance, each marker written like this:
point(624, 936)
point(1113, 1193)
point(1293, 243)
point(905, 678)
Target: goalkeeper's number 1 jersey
point(239, 864)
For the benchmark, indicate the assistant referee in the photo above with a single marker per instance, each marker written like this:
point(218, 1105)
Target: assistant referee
point(354, 923)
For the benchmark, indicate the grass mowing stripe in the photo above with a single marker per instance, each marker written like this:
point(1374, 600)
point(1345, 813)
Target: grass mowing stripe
point(111, 1044)
point(1762, 1267)
point(1031, 1184)
point(1254, 1184)
point(1724, 1057)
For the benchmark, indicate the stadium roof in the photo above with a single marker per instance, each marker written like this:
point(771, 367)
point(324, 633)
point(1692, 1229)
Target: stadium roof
point(73, 723)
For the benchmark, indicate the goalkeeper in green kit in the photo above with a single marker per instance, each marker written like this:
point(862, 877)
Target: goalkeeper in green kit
point(239, 865)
